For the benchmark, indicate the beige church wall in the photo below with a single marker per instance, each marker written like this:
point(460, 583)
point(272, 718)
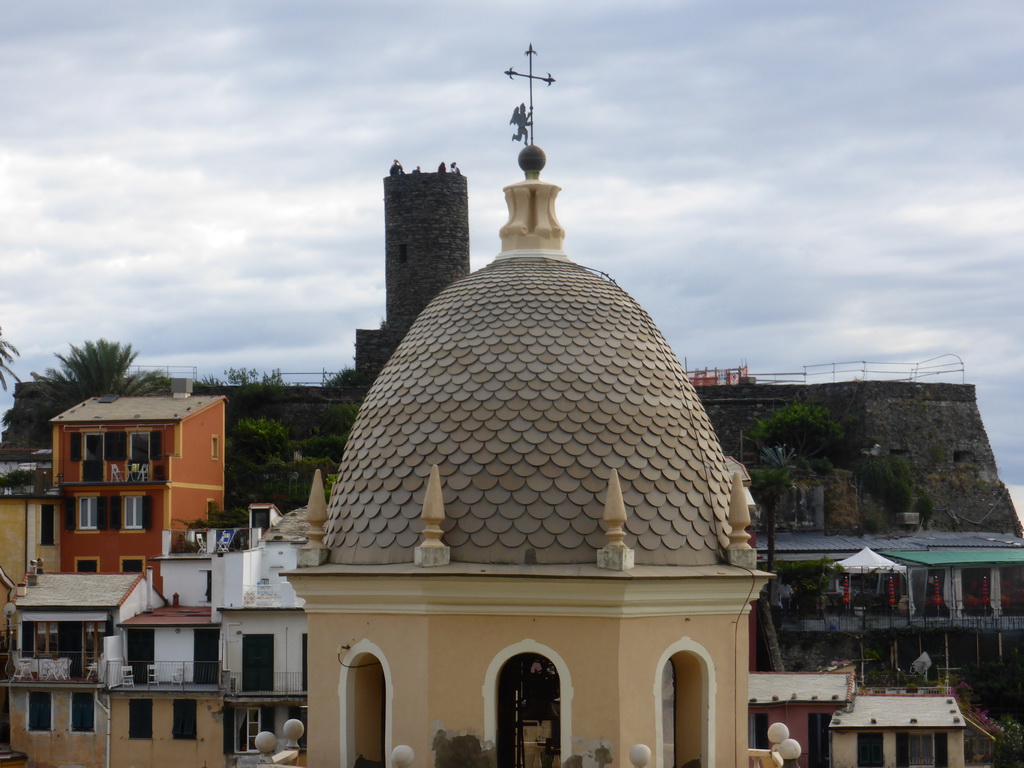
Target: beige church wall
point(449, 657)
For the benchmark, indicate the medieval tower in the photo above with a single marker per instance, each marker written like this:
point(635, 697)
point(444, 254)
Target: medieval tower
point(426, 248)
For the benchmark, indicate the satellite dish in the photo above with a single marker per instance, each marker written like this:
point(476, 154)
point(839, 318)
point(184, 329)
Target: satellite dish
point(10, 609)
point(921, 664)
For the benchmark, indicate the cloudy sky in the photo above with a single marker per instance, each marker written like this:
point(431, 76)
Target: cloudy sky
point(780, 183)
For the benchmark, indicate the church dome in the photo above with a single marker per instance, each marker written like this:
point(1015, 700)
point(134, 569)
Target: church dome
point(527, 383)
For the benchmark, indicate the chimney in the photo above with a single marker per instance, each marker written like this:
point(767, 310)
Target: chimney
point(39, 565)
point(22, 589)
point(174, 600)
point(181, 388)
point(149, 588)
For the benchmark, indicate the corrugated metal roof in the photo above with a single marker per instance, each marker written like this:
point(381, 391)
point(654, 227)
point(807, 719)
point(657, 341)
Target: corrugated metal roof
point(162, 408)
point(971, 557)
point(793, 545)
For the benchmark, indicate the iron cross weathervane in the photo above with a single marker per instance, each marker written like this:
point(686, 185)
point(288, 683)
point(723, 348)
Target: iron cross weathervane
point(522, 119)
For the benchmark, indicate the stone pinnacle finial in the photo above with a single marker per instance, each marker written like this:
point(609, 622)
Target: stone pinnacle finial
point(739, 551)
point(615, 555)
point(739, 514)
point(432, 551)
point(532, 228)
point(314, 552)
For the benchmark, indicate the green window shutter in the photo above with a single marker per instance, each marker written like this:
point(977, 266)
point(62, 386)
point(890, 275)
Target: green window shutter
point(228, 715)
point(902, 749)
point(184, 721)
point(83, 714)
point(941, 750)
point(70, 511)
point(140, 718)
point(147, 512)
point(101, 513)
point(267, 719)
point(76, 446)
point(155, 445)
point(114, 517)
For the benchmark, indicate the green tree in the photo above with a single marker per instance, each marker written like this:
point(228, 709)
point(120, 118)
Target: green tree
point(7, 354)
point(95, 369)
point(260, 440)
point(807, 428)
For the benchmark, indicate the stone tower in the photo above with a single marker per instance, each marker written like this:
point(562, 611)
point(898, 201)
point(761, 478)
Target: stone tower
point(426, 248)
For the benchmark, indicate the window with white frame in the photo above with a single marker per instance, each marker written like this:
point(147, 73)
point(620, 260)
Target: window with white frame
point(87, 506)
point(132, 516)
point(247, 726)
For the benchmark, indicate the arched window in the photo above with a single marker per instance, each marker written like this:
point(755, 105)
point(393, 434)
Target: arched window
point(529, 712)
point(685, 690)
point(366, 694)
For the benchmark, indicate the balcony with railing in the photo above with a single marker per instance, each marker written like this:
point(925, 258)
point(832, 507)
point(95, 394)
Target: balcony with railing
point(63, 666)
point(260, 682)
point(122, 472)
point(161, 675)
point(208, 541)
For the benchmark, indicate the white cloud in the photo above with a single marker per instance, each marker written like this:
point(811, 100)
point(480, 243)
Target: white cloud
point(783, 183)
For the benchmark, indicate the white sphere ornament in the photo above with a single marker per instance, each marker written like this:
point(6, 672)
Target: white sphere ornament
point(265, 742)
point(640, 755)
point(402, 756)
point(789, 749)
point(293, 730)
point(777, 732)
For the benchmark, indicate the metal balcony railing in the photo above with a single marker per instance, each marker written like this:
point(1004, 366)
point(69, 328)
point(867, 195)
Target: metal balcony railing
point(263, 683)
point(262, 596)
point(162, 675)
point(66, 666)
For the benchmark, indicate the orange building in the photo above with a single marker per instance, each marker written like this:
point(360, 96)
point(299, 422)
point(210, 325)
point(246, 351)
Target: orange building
point(126, 467)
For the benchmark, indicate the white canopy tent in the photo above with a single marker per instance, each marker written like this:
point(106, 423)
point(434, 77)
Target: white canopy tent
point(869, 561)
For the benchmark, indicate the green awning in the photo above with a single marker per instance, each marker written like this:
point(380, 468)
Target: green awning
point(993, 557)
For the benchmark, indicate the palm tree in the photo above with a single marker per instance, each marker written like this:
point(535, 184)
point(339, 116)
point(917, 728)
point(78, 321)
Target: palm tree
point(768, 486)
point(7, 354)
point(97, 368)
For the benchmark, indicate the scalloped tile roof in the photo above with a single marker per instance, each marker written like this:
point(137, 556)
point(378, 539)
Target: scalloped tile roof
point(526, 383)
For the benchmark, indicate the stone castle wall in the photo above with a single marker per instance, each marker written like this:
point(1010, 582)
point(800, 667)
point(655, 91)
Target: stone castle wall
point(936, 427)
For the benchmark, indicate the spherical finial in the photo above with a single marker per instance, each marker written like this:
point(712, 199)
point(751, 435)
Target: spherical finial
point(293, 730)
point(532, 160)
point(265, 742)
point(402, 756)
point(640, 755)
point(789, 749)
point(777, 732)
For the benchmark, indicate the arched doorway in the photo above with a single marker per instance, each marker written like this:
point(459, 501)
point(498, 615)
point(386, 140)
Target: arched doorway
point(529, 712)
point(365, 711)
point(685, 691)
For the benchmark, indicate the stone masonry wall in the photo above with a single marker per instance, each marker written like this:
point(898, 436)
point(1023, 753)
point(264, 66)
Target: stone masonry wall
point(936, 426)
